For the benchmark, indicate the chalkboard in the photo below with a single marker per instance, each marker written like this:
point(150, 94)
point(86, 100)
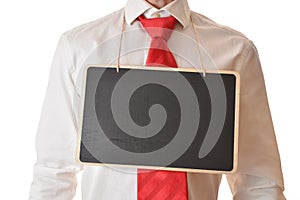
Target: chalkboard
point(159, 118)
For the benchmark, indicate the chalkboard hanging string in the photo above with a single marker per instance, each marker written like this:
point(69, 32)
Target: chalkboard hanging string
point(120, 46)
point(198, 47)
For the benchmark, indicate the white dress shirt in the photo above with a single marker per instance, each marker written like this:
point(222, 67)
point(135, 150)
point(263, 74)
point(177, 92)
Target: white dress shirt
point(259, 173)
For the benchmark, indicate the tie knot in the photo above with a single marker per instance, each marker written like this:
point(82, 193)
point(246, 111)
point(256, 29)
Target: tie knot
point(158, 27)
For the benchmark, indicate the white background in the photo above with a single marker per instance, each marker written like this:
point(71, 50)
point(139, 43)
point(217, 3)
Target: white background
point(28, 37)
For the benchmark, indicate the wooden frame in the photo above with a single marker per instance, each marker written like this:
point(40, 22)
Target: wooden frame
point(236, 118)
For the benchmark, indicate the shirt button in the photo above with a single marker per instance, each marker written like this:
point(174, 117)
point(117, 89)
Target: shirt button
point(157, 15)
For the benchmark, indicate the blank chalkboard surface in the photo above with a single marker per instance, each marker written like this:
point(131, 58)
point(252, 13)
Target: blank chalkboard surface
point(159, 118)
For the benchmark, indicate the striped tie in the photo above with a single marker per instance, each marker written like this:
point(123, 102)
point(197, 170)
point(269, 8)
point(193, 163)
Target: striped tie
point(159, 184)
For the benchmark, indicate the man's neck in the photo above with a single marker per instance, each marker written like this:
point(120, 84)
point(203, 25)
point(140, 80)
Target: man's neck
point(159, 3)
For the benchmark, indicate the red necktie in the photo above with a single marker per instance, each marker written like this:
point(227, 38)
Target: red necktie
point(160, 184)
point(160, 30)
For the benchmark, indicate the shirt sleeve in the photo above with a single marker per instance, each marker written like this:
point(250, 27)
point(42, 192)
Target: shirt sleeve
point(54, 175)
point(259, 174)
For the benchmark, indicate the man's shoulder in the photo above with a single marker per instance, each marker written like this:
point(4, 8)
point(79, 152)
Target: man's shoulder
point(203, 21)
point(96, 26)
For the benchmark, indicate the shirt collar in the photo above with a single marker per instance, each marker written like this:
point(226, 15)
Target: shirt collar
point(178, 9)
